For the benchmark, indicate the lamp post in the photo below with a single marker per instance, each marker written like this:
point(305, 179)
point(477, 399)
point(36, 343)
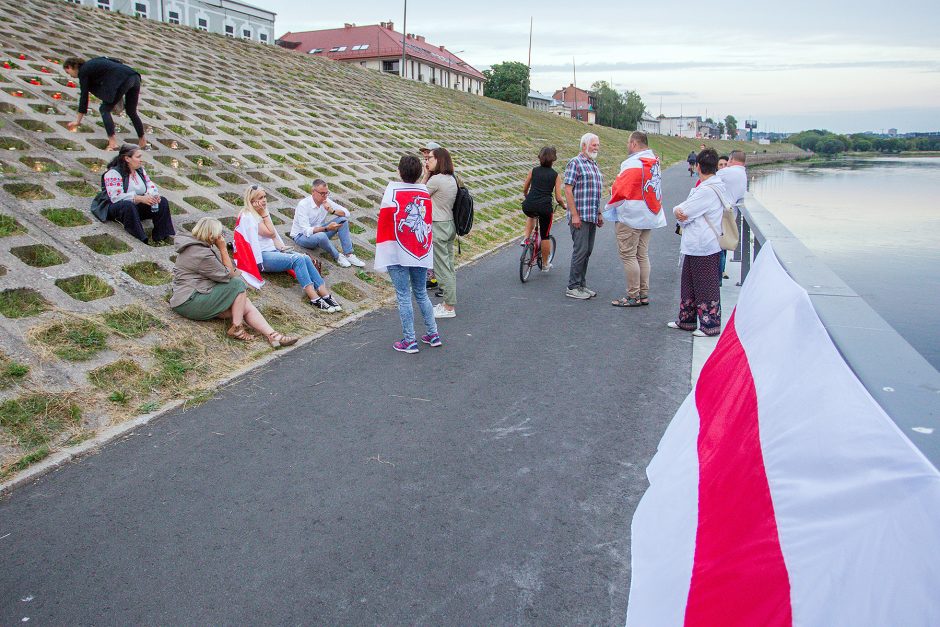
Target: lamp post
point(404, 30)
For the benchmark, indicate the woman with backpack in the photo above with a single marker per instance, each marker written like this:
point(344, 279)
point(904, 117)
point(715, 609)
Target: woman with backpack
point(442, 186)
point(132, 197)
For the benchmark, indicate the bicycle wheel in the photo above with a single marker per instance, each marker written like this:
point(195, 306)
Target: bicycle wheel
point(525, 263)
point(551, 254)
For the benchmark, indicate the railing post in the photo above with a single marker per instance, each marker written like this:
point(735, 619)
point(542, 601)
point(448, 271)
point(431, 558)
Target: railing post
point(737, 251)
point(745, 246)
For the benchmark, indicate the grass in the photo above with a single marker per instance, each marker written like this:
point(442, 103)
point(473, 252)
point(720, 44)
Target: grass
point(202, 203)
point(291, 193)
point(133, 321)
point(202, 179)
point(348, 291)
point(363, 253)
point(11, 371)
point(11, 143)
point(148, 273)
point(63, 144)
point(34, 125)
point(232, 178)
point(168, 182)
point(25, 461)
point(120, 379)
point(85, 287)
point(40, 164)
point(35, 419)
point(105, 244)
point(22, 302)
point(176, 362)
point(39, 255)
point(72, 340)
point(66, 216)
point(10, 226)
point(28, 191)
point(232, 198)
point(78, 188)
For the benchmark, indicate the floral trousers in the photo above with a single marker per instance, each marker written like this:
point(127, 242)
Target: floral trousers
point(700, 294)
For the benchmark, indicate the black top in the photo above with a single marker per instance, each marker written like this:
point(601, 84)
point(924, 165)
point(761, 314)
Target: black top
point(541, 190)
point(692, 158)
point(103, 77)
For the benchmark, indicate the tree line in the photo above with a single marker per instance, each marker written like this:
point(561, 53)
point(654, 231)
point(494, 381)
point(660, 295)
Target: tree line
point(827, 143)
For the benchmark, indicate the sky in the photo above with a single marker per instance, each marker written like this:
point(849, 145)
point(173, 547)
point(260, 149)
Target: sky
point(843, 66)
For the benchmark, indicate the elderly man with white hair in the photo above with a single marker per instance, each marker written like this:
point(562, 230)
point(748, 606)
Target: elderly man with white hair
point(583, 186)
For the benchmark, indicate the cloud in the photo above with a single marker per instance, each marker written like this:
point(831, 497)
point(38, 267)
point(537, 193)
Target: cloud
point(667, 94)
point(667, 66)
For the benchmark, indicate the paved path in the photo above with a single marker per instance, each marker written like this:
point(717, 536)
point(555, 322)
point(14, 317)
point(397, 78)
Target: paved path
point(488, 482)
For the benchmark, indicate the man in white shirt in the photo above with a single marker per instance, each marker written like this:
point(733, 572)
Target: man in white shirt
point(317, 219)
point(734, 176)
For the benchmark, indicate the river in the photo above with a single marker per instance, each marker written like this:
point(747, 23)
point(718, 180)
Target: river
point(876, 223)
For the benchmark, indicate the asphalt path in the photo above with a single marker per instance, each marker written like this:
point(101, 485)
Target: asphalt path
point(490, 481)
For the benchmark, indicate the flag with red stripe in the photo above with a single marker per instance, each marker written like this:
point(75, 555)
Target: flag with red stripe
point(403, 234)
point(781, 493)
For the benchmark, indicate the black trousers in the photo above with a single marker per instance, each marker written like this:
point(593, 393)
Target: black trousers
point(130, 93)
point(130, 215)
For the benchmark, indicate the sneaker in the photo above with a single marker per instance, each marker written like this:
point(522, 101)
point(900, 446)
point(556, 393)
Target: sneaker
point(589, 291)
point(440, 312)
point(545, 269)
point(433, 339)
point(439, 294)
point(404, 346)
point(356, 261)
point(672, 324)
point(578, 293)
point(700, 333)
point(321, 304)
point(334, 305)
point(343, 261)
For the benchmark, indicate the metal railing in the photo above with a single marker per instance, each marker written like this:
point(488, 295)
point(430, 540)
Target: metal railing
point(905, 384)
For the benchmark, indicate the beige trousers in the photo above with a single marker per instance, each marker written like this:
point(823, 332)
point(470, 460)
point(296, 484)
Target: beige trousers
point(634, 246)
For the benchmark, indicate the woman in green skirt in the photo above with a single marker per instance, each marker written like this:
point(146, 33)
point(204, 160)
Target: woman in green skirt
point(206, 285)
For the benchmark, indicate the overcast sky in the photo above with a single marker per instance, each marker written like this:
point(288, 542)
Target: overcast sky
point(791, 65)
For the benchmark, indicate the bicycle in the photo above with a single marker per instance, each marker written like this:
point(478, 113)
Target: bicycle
point(532, 253)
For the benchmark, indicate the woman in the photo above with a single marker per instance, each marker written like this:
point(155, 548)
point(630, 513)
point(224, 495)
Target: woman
point(206, 285)
point(404, 241)
point(115, 84)
point(442, 186)
point(259, 248)
point(133, 197)
point(700, 217)
point(540, 184)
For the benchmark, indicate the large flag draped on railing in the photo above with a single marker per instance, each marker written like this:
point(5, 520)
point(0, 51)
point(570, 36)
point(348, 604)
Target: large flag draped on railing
point(781, 493)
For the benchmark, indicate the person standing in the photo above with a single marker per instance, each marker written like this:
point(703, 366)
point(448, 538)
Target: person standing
point(734, 176)
point(583, 185)
point(112, 82)
point(636, 208)
point(691, 159)
point(441, 182)
point(700, 217)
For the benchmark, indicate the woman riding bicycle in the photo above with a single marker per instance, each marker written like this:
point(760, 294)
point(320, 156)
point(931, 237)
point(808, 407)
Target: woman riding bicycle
point(540, 184)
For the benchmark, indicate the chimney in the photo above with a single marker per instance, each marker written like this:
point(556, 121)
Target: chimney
point(442, 48)
point(420, 38)
point(388, 25)
point(348, 25)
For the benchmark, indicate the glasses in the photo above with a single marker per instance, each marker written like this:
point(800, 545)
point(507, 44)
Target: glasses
point(326, 193)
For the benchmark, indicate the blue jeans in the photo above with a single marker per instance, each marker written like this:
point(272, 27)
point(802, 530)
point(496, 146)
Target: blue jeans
point(301, 264)
point(322, 240)
point(408, 281)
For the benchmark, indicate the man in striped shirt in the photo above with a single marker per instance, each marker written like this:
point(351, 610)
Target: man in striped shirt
point(583, 185)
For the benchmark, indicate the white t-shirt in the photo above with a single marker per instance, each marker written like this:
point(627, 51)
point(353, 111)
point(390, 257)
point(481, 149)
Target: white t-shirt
point(735, 179)
point(263, 244)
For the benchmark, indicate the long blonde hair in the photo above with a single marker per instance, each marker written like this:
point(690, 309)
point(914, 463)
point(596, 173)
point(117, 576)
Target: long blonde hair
point(251, 194)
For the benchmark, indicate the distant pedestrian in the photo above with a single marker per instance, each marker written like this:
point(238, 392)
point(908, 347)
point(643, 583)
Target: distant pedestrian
point(115, 84)
point(403, 248)
point(635, 207)
point(583, 186)
point(541, 184)
point(691, 159)
point(441, 182)
point(700, 216)
point(734, 176)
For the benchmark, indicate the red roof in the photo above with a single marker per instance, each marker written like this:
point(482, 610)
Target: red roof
point(379, 42)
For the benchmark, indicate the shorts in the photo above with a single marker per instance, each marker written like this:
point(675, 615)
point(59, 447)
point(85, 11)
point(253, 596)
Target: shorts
point(545, 219)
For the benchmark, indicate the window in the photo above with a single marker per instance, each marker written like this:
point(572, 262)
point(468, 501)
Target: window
point(246, 33)
point(202, 24)
point(361, 47)
point(140, 9)
point(229, 30)
point(104, 4)
point(390, 66)
point(74, 1)
point(173, 17)
point(315, 51)
point(338, 49)
point(263, 37)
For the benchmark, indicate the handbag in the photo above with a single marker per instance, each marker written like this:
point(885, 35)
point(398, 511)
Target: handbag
point(728, 238)
point(100, 205)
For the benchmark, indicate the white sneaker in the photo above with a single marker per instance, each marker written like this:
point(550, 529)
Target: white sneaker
point(578, 293)
point(441, 312)
point(546, 269)
point(356, 261)
point(672, 324)
point(589, 291)
point(342, 261)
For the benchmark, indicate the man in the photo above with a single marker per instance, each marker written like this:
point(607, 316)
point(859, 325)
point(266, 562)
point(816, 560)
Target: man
point(317, 219)
point(583, 185)
point(734, 176)
point(636, 208)
point(428, 147)
point(113, 83)
point(691, 159)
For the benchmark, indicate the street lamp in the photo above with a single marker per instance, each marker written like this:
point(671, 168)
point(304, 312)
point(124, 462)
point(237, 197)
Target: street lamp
point(404, 30)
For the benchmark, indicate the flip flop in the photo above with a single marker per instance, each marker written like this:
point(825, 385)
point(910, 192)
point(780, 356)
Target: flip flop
point(626, 302)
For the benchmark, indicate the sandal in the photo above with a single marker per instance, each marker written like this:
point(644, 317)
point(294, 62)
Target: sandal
point(644, 299)
point(277, 340)
point(239, 332)
point(626, 302)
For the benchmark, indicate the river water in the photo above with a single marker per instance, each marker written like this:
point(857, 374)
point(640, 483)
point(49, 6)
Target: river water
point(876, 223)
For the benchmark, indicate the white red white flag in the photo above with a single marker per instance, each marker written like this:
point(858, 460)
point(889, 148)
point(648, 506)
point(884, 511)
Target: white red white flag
point(781, 493)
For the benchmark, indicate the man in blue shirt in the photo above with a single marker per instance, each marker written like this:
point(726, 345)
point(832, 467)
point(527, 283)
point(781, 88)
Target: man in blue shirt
point(583, 186)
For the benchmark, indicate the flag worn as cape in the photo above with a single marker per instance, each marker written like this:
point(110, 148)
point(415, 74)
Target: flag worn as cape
point(636, 195)
point(403, 235)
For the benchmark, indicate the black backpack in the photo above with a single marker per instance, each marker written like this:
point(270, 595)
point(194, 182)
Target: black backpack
point(463, 209)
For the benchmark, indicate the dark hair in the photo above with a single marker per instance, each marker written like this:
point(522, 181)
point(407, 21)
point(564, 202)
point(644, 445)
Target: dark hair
point(445, 165)
point(409, 168)
point(547, 156)
point(119, 162)
point(73, 62)
point(725, 157)
point(640, 138)
point(708, 161)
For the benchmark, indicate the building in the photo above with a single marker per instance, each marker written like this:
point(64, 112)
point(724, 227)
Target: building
point(649, 125)
point(581, 103)
point(379, 47)
point(708, 130)
point(225, 17)
point(681, 126)
point(538, 101)
point(557, 107)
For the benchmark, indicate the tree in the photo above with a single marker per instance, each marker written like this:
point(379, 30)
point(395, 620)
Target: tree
point(507, 81)
point(617, 110)
point(721, 129)
point(731, 125)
